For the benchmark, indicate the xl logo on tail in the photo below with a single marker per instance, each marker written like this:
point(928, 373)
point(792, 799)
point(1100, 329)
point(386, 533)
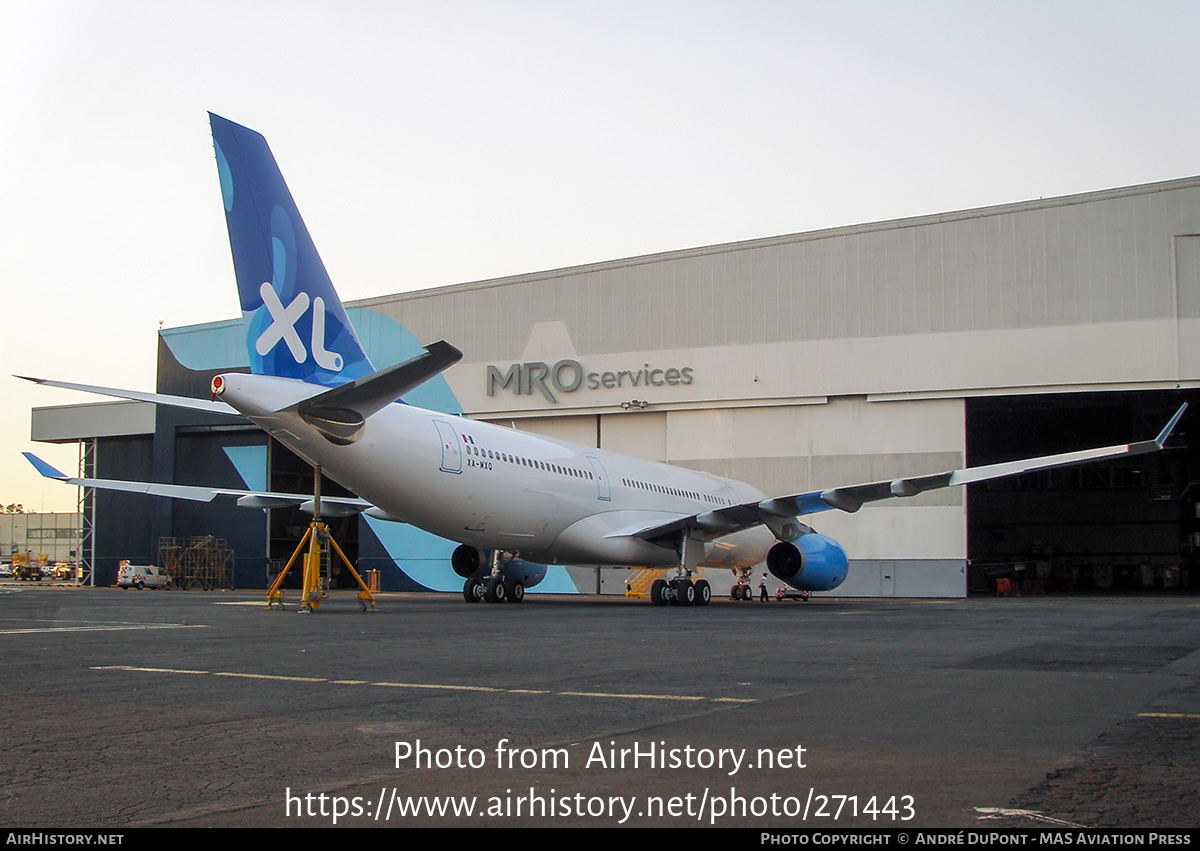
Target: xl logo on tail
point(283, 327)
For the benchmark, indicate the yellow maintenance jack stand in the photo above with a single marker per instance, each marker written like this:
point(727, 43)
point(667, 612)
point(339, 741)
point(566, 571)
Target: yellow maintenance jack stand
point(311, 589)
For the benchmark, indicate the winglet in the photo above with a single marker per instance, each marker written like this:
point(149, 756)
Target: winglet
point(1169, 427)
point(44, 468)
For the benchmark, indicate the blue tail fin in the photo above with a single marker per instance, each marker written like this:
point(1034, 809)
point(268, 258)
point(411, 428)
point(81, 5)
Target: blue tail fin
point(295, 324)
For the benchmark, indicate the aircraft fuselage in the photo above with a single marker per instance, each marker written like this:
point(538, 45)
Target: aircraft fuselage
point(499, 488)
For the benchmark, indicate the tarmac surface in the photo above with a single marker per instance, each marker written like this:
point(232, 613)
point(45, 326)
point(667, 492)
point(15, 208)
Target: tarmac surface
point(126, 709)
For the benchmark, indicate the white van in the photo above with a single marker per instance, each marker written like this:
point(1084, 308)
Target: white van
point(139, 577)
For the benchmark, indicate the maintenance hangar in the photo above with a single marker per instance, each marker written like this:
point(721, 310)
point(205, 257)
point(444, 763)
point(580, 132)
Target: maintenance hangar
point(793, 362)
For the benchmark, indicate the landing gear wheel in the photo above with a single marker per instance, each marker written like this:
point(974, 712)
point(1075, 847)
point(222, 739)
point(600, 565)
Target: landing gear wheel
point(473, 590)
point(703, 592)
point(659, 592)
point(495, 590)
point(515, 590)
point(735, 592)
point(685, 592)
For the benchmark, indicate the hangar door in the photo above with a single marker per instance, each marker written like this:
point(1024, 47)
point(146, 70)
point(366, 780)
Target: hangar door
point(1130, 526)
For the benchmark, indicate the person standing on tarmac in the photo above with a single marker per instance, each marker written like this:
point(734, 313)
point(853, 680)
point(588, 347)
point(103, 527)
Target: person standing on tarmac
point(762, 589)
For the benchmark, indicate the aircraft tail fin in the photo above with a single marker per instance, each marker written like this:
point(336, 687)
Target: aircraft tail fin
point(295, 324)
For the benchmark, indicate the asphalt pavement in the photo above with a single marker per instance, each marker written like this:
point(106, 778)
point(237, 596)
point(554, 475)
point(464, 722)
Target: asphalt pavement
point(126, 709)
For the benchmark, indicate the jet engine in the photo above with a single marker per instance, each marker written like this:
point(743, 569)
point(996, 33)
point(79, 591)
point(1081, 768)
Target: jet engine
point(528, 573)
point(469, 561)
point(812, 562)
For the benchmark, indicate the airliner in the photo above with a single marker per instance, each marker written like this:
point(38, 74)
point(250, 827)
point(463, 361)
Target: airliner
point(515, 502)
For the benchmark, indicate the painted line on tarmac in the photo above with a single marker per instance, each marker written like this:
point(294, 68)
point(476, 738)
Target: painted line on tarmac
point(439, 686)
point(269, 677)
point(102, 628)
point(148, 670)
point(633, 696)
point(425, 686)
point(1193, 715)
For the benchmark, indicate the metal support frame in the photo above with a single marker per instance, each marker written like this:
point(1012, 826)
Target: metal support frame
point(316, 537)
point(85, 543)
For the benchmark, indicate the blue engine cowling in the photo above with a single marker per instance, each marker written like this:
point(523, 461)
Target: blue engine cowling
point(812, 562)
point(469, 561)
point(528, 572)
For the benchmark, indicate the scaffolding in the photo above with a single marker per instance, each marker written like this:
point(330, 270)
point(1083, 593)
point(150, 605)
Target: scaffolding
point(202, 563)
point(638, 585)
point(85, 545)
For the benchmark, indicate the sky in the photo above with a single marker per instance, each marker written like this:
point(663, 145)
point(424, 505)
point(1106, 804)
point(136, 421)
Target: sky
point(435, 143)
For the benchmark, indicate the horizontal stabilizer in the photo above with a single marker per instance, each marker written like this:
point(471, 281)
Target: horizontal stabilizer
point(139, 396)
point(372, 393)
point(341, 413)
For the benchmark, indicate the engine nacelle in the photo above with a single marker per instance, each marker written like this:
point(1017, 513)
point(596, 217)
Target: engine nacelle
point(529, 573)
point(467, 561)
point(812, 562)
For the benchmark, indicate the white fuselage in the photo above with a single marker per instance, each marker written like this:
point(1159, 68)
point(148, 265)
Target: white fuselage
point(499, 488)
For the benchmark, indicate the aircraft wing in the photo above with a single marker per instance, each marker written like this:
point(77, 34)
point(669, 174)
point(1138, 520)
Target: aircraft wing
point(331, 506)
point(734, 518)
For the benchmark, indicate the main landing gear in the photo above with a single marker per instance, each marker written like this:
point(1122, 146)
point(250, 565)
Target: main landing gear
point(741, 590)
point(680, 591)
point(493, 586)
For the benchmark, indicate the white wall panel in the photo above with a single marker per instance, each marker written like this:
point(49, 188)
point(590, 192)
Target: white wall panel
point(581, 430)
point(898, 531)
point(641, 434)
